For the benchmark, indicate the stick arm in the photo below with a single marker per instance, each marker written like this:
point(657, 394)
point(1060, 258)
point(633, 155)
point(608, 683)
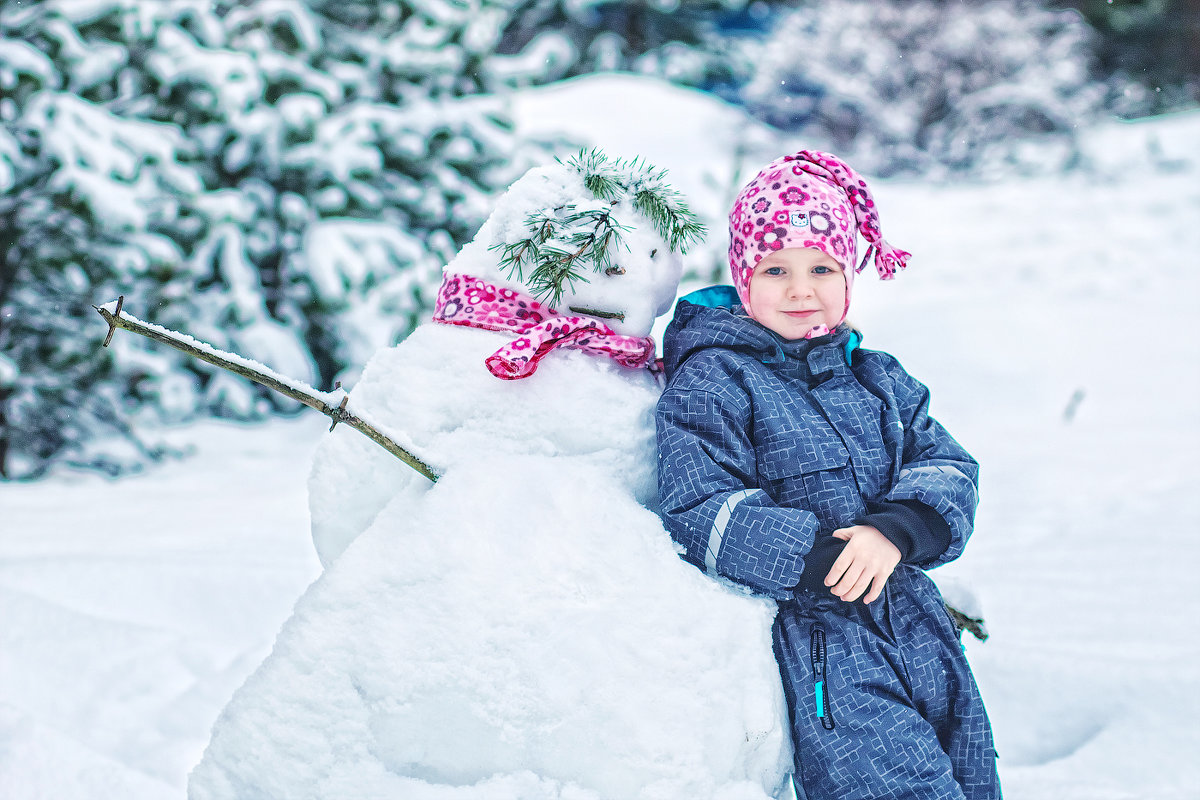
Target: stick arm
point(331, 404)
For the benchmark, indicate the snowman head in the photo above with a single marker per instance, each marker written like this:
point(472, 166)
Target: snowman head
point(592, 236)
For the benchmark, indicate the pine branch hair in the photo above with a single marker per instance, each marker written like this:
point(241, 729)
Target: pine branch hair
point(564, 244)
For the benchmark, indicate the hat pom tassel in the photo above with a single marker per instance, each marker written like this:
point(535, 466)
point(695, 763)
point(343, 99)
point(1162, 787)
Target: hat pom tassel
point(890, 260)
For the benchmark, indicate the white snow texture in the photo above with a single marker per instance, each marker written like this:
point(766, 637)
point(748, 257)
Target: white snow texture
point(1053, 318)
point(524, 627)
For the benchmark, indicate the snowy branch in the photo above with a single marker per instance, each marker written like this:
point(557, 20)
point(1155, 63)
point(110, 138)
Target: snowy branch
point(973, 625)
point(331, 404)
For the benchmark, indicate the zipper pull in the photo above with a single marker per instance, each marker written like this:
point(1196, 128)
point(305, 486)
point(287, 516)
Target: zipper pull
point(818, 651)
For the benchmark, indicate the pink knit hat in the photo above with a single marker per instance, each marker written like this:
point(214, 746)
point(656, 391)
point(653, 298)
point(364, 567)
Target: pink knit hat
point(808, 199)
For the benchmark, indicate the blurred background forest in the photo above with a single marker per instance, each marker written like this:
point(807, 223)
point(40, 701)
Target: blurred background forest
point(286, 178)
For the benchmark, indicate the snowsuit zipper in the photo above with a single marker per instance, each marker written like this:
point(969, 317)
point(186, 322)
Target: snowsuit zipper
point(818, 651)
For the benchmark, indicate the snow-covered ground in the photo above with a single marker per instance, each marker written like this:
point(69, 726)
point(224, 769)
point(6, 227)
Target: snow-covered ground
point(130, 610)
point(1054, 319)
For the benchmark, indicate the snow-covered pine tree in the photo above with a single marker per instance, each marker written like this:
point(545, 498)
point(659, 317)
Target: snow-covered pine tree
point(91, 203)
point(679, 40)
point(266, 173)
point(1149, 50)
point(929, 85)
point(380, 156)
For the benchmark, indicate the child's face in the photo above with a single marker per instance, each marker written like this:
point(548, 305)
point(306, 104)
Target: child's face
point(797, 289)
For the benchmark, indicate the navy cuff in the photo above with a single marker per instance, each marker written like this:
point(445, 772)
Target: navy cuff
point(819, 561)
point(918, 531)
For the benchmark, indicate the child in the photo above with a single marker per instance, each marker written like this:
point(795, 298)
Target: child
point(803, 467)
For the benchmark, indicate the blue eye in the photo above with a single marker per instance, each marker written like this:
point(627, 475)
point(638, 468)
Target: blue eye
point(821, 269)
point(773, 271)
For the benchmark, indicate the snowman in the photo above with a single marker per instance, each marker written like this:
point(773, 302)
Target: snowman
point(523, 627)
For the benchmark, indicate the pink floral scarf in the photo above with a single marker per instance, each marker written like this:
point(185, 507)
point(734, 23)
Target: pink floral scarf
point(475, 303)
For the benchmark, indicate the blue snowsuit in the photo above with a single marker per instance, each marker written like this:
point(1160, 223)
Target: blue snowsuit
point(766, 446)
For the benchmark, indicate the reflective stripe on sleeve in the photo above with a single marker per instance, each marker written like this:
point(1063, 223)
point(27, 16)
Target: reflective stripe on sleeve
point(719, 524)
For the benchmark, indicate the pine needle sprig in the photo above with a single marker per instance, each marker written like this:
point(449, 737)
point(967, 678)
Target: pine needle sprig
point(599, 173)
point(602, 185)
point(558, 272)
point(653, 197)
point(563, 242)
point(672, 219)
point(515, 255)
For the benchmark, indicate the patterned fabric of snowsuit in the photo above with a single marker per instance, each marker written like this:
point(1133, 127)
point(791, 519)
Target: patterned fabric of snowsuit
point(766, 445)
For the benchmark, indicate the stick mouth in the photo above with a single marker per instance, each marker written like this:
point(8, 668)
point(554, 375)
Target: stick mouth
point(592, 312)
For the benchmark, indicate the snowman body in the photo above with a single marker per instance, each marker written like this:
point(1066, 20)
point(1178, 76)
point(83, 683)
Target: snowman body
point(523, 627)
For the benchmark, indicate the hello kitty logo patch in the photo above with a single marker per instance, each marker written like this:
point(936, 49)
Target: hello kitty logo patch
point(799, 219)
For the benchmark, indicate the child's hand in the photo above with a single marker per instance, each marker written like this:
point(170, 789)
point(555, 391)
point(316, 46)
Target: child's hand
point(867, 560)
